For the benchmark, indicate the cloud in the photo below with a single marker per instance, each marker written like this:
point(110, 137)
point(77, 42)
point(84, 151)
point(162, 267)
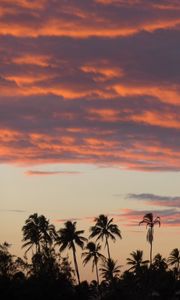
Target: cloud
point(104, 92)
point(52, 129)
point(73, 18)
point(168, 208)
point(13, 210)
point(157, 200)
point(129, 217)
point(47, 173)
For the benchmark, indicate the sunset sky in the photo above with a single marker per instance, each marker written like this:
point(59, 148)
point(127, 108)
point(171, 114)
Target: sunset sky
point(90, 117)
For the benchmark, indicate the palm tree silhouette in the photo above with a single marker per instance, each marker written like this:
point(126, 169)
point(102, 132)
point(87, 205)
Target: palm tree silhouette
point(105, 229)
point(93, 254)
point(174, 260)
point(37, 232)
point(159, 263)
point(136, 261)
point(68, 237)
point(150, 222)
point(47, 231)
point(110, 270)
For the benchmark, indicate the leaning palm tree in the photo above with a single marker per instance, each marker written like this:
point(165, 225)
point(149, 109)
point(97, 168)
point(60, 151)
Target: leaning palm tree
point(136, 261)
point(174, 260)
point(68, 237)
point(93, 254)
point(105, 229)
point(150, 222)
point(110, 270)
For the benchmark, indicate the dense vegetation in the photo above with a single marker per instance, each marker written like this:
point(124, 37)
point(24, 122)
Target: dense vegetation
point(48, 274)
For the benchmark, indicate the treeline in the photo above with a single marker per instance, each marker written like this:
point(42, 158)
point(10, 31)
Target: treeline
point(46, 273)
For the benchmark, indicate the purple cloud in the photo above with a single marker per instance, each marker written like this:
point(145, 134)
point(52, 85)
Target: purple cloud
point(169, 201)
point(47, 173)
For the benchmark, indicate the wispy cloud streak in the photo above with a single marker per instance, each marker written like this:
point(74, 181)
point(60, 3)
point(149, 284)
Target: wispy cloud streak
point(47, 173)
point(157, 200)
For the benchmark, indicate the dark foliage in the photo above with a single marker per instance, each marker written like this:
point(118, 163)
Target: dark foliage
point(48, 275)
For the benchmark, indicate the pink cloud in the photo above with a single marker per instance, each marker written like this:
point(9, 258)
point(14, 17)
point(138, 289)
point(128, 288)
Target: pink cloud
point(131, 218)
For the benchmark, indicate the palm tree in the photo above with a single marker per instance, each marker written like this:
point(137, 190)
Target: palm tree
point(174, 260)
point(37, 232)
point(47, 231)
point(31, 233)
point(94, 255)
point(136, 262)
point(110, 270)
point(150, 222)
point(68, 237)
point(105, 229)
point(159, 263)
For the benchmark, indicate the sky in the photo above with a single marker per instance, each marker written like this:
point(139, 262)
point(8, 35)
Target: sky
point(90, 117)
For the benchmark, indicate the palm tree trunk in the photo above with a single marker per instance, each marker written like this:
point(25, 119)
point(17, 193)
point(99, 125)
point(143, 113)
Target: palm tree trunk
point(178, 270)
point(37, 248)
point(150, 253)
point(97, 275)
point(108, 250)
point(75, 264)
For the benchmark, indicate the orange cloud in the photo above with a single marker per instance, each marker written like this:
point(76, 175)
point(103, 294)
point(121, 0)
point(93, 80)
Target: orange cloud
point(75, 19)
point(167, 95)
point(158, 119)
point(26, 3)
point(30, 59)
point(103, 92)
point(57, 28)
point(103, 72)
point(109, 115)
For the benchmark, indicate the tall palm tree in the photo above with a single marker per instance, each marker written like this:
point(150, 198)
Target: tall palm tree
point(110, 270)
point(93, 254)
point(37, 232)
point(136, 261)
point(105, 229)
point(68, 237)
point(150, 221)
point(174, 260)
